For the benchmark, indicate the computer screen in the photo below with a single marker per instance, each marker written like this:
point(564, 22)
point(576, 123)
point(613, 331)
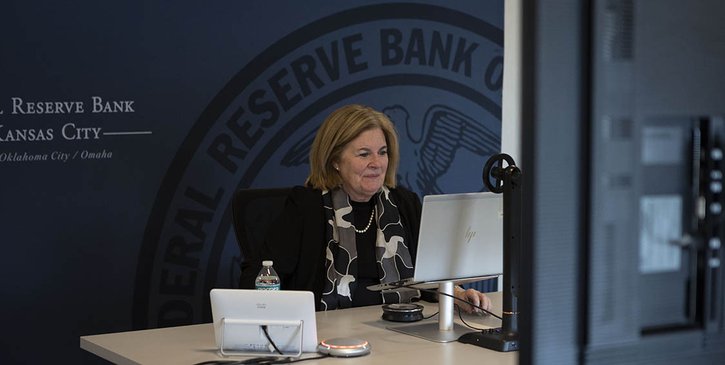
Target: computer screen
point(460, 240)
point(622, 142)
point(461, 237)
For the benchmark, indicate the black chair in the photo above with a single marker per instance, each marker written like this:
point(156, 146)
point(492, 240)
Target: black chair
point(253, 212)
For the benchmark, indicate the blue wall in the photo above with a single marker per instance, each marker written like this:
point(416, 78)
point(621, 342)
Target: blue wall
point(126, 127)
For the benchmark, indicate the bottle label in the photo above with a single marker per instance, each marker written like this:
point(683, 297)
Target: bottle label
point(267, 282)
point(267, 286)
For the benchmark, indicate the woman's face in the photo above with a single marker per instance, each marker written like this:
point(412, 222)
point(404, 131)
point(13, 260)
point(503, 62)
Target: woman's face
point(363, 164)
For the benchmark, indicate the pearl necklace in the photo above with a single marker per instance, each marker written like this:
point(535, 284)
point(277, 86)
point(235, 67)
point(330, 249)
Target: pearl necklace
point(370, 222)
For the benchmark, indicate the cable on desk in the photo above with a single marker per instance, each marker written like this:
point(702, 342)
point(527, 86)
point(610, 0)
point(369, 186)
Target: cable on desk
point(266, 334)
point(412, 286)
point(261, 361)
point(252, 361)
point(460, 315)
point(289, 360)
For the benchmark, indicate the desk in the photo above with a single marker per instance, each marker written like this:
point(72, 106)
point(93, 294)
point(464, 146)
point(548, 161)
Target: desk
point(195, 343)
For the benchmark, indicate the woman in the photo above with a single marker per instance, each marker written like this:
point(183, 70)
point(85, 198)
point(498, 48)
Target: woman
point(350, 226)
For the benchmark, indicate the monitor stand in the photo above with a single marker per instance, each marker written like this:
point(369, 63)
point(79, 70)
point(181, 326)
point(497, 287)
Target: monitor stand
point(507, 181)
point(443, 331)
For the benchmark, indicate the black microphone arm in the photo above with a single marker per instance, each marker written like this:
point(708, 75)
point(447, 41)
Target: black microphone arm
point(507, 180)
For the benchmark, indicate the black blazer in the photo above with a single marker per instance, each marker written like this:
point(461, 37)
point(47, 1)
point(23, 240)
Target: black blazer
point(296, 241)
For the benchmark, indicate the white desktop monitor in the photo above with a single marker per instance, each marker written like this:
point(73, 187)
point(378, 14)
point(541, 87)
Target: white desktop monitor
point(461, 237)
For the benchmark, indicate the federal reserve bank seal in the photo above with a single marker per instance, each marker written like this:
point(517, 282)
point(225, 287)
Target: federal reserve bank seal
point(436, 72)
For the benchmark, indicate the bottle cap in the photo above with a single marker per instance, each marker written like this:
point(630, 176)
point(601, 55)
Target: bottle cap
point(267, 263)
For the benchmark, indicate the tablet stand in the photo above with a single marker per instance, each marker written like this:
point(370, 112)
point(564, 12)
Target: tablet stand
point(248, 339)
point(507, 181)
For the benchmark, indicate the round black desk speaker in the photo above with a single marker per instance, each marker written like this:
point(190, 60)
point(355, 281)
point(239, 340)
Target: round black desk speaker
point(402, 312)
point(344, 347)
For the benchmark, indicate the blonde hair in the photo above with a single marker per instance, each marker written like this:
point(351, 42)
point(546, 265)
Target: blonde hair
point(339, 128)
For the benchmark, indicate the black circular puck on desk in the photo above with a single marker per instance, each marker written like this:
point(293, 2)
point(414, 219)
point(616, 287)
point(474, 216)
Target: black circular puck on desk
point(402, 312)
point(344, 347)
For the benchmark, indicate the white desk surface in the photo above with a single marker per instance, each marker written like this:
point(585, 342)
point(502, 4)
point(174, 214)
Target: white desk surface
point(195, 343)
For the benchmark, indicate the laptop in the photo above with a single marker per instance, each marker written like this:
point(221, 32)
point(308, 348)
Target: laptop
point(460, 239)
point(461, 236)
point(240, 314)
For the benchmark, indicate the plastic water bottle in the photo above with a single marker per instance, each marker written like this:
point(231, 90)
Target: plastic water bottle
point(267, 278)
